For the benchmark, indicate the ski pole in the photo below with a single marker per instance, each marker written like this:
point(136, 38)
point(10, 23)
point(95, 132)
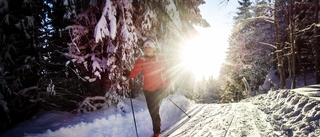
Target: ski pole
point(180, 108)
point(134, 118)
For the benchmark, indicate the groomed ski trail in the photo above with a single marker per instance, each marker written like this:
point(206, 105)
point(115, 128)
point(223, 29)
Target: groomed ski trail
point(222, 120)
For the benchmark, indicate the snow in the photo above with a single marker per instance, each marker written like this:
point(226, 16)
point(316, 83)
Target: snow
point(291, 112)
point(278, 113)
point(102, 28)
point(106, 122)
point(219, 120)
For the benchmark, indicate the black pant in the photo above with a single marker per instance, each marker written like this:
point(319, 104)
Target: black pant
point(153, 102)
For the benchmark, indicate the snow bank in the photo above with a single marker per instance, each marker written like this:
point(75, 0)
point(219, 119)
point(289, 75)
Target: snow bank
point(291, 113)
point(116, 121)
point(272, 81)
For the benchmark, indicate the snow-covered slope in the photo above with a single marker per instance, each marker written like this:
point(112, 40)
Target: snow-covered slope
point(225, 120)
point(282, 113)
point(292, 112)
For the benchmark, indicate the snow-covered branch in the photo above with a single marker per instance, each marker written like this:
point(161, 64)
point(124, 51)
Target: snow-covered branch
point(25, 90)
point(107, 26)
point(268, 44)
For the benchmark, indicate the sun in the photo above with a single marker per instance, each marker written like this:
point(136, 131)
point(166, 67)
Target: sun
point(203, 55)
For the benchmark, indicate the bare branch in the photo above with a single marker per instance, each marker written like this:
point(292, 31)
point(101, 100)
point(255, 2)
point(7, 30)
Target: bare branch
point(268, 44)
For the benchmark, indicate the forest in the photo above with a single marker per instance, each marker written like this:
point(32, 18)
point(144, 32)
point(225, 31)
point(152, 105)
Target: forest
point(70, 55)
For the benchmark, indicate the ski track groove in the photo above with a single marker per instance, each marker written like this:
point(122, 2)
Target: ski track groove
point(193, 113)
point(243, 123)
point(254, 123)
point(222, 120)
point(210, 114)
point(253, 120)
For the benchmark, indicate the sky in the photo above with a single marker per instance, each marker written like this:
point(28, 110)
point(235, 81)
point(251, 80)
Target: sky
point(210, 54)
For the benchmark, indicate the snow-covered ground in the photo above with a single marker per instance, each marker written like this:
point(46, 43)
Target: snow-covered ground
point(278, 113)
point(292, 112)
point(109, 122)
point(231, 120)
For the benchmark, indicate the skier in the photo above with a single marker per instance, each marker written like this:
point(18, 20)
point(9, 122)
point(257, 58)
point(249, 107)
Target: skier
point(155, 80)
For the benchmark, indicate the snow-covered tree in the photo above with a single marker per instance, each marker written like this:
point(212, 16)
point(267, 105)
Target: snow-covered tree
point(250, 52)
point(259, 54)
point(303, 38)
point(232, 72)
point(19, 61)
point(105, 39)
point(31, 60)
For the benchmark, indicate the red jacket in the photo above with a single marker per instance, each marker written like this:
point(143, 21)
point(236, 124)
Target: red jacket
point(154, 72)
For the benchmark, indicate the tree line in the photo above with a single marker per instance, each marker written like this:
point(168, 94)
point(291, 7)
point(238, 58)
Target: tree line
point(270, 35)
point(69, 55)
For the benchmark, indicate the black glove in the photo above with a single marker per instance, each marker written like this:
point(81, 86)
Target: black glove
point(126, 73)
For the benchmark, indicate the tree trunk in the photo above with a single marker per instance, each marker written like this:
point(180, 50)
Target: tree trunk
point(278, 45)
point(316, 2)
point(293, 45)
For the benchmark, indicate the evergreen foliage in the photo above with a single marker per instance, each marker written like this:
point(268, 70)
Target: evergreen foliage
point(253, 45)
point(19, 61)
point(250, 56)
point(70, 54)
point(103, 53)
point(33, 76)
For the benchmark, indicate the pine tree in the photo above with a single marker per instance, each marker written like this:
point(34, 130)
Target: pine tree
point(249, 57)
point(32, 70)
point(19, 61)
point(234, 69)
point(105, 39)
point(317, 49)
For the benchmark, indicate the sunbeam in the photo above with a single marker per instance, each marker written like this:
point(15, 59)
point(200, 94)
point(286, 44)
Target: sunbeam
point(203, 55)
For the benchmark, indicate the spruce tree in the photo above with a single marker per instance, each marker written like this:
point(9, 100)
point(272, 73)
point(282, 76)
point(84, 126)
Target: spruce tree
point(105, 40)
